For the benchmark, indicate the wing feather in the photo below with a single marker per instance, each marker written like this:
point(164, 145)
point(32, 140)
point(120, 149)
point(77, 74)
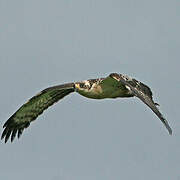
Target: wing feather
point(144, 93)
point(35, 106)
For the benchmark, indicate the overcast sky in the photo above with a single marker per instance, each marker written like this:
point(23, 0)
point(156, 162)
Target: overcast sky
point(49, 42)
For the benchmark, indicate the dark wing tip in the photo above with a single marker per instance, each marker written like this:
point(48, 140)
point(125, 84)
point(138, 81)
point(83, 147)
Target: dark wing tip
point(170, 132)
point(168, 127)
point(11, 130)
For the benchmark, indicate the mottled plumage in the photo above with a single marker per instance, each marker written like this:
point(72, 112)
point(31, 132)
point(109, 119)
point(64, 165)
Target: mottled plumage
point(113, 86)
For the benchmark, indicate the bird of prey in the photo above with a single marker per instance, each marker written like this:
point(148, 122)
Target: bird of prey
point(113, 86)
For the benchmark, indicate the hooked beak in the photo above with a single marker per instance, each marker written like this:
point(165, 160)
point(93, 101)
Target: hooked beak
point(77, 86)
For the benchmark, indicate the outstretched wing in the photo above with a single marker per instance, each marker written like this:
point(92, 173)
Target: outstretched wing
point(144, 93)
point(33, 108)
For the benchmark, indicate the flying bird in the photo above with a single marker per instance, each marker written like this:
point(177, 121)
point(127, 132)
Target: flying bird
point(113, 86)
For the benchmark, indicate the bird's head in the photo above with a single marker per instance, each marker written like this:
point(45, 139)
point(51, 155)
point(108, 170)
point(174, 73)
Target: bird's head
point(82, 86)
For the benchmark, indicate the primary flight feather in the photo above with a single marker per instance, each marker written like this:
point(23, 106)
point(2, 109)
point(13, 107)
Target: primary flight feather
point(113, 86)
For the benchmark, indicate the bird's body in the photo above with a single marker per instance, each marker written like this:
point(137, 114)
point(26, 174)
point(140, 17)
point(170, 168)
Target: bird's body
point(113, 86)
point(101, 88)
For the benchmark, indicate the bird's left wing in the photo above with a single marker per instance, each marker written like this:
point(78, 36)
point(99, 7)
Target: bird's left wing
point(35, 106)
point(143, 92)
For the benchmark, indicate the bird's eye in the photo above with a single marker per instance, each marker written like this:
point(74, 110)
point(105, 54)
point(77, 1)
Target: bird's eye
point(81, 85)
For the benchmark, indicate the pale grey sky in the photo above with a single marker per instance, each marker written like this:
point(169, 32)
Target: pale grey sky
point(49, 42)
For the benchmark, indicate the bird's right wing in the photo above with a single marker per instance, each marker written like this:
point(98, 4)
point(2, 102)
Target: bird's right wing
point(33, 108)
point(144, 93)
